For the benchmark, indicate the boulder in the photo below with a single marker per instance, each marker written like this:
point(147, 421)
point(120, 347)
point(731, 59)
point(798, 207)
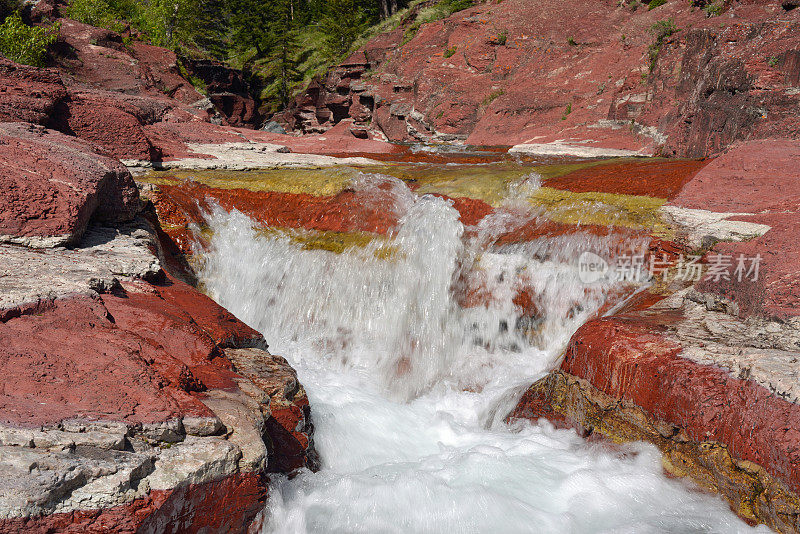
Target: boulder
point(136, 393)
point(227, 88)
point(115, 131)
point(29, 94)
point(53, 184)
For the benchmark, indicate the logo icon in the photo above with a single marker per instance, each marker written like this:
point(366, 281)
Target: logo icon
point(591, 268)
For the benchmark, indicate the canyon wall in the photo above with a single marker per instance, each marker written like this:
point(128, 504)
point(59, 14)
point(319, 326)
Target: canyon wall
point(597, 74)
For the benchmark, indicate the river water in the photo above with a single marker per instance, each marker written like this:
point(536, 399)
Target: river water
point(409, 384)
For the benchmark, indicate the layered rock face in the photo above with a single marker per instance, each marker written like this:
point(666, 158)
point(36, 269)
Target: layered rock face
point(131, 402)
point(706, 371)
point(227, 89)
point(536, 73)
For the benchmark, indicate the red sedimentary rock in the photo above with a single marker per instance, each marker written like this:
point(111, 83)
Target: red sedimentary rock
point(631, 358)
point(659, 179)
point(226, 505)
point(52, 184)
point(29, 94)
point(536, 72)
point(758, 178)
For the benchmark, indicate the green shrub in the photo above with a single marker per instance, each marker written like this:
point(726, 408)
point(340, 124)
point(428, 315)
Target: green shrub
point(26, 44)
point(450, 51)
point(773, 61)
point(655, 3)
point(663, 29)
point(571, 41)
point(491, 97)
point(165, 23)
point(438, 11)
point(660, 30)
point(567, 111)
point(502, 38)
point(714, 9)
point(101, 13)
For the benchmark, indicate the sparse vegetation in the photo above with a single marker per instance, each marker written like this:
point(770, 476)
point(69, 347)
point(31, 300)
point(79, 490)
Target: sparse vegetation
point(491, 97)
point(502, 38)
point(773, 61)
point(571, 41)
point(279, 44)
point(441, 10)
point(567, 112)
point(714, 8)
point(450, 51)
point(661, 30)
point(196, 82)
point(26, 44)
point(655, 3)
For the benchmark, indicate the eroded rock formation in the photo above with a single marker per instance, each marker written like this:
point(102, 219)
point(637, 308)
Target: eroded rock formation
point(705, 371)
point(130, 401)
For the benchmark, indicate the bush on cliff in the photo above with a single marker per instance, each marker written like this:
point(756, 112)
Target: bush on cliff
point(661, 30)
point(438, 11)
point(282, 43)
point(167, 23)
point(26, 44)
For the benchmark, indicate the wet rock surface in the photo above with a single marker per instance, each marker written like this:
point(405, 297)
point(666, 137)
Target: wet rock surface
point(707, 371)
point(132, 402)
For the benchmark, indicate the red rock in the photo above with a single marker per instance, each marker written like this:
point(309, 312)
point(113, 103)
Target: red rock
point(553, 77)
point(53, 184)
point(117, 133)
point(171, 138)
point(227, 89)
point(346, 211)
point(100, 60)
point(751, 177)
point(757, 177)
point(77, 363)
point(660, 179)
point(28, 94)
point(217, 322)
point(227, 505)
point(627, 358)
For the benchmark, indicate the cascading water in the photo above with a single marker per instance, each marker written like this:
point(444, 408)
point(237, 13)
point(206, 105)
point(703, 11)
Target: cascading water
point(409, 381)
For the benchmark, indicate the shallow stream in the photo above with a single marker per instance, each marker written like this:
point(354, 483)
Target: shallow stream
point(414, 345)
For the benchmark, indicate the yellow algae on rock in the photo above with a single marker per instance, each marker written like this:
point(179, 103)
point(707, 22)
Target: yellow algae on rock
point(606, 209)
point(336, 242)
point(487, 182)
point(318, 182)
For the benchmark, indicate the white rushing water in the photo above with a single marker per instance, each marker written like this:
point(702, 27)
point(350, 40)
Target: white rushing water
point(409, 389)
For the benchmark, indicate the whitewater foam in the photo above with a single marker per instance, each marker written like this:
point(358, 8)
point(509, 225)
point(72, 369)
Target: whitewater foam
point(409, 385)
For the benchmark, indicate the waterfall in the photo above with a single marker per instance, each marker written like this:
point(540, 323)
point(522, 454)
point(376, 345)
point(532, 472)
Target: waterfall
point(413, 347)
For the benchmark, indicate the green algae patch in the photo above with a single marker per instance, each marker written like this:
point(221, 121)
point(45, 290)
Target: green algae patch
point(336, 242)
point(318, 182)
point(606, 209)
point(492, 183)
point(487, 182)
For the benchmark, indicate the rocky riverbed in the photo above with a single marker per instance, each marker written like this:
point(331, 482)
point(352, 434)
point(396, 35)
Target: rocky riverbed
point(132, 401)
